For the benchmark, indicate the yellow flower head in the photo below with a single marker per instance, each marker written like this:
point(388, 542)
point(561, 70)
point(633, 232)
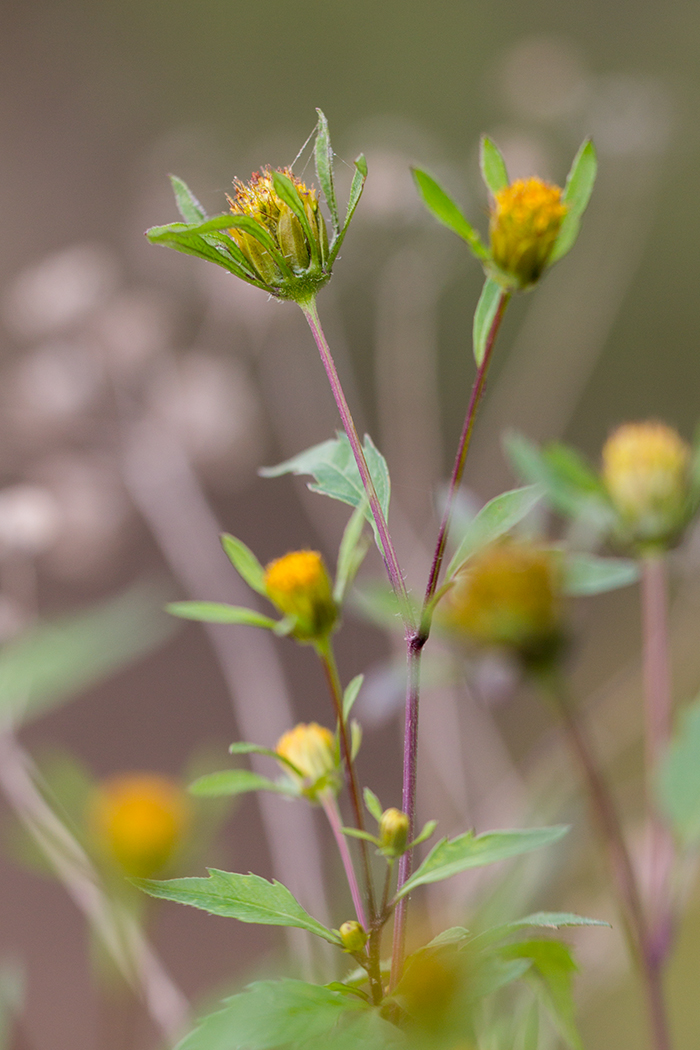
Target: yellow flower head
point(311, 750)
point(299, 586)
point(138, 820)
point(259, 201)
point(646, 469)
point(508, 595)
point(393, 832)
point(525, 221)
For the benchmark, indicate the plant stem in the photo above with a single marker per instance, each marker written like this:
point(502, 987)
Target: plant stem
point(330, 808)
point(387, 548)
point(640, 942)
point(420, 637)
point(327, 658)
point(657, 718)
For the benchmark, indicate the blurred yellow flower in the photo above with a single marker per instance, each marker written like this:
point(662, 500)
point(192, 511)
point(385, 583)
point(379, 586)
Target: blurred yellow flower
point(312, 751)
point(300, 587)
point(525, 221)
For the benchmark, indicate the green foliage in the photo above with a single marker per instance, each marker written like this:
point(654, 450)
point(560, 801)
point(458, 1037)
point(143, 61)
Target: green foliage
point(187, 204)
point(52, 662)
point(236, 782)
point(206, 240)
point(493, 166)
point(323, 157)
point(495, 519)
point(447, 212)
point(586, 574)
point(678, 786)
point(569, 484)
point(353, 548)
point(219, 612)
point(334, 469)
point(449, 857)
point(486, 310)
point(577, 193)
point(352, 691)
point(373, 804)
point(248, 898)
point(244, 562)
point(551, 974)
point(358, 184)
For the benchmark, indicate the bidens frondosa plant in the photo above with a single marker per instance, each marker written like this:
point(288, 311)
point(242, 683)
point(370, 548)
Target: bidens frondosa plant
point(497, 591)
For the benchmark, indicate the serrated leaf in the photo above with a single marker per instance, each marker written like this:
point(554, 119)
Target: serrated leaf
point(441, 205)
point(551, 974)
point(351, 693)
point(577, 193)
point(486, 310)
point(248, 898)
point(219, 612)
point(449, 857)
point(187, 204)
point(678, 783)
point(332, 465)
point(244, 562)
point(493, 166)
point(356, 188)
point(54, 661)
point(271, 1014)
point(353, 548)
point(235, 782)
point(587, 574)
point(373, 804)
point(323, 155)
point(495, 519)
point(551, 920)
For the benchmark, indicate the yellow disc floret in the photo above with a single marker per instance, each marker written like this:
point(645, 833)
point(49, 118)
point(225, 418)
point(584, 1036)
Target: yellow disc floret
point(646, 468)
point(138, 820)
point(299, 586)
point(525, 221)
point(312, 752)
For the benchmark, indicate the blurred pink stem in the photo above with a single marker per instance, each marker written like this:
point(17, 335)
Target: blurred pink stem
point(330, 808)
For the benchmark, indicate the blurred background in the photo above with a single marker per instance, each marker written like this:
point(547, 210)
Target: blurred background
point(141, 390)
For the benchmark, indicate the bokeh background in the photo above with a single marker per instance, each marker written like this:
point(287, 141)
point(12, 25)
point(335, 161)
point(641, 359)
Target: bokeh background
point(141, 390)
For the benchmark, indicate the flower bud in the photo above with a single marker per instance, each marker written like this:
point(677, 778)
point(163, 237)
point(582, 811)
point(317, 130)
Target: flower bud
point(311, 750)
point(646, 470)
point(138, 820)
point(299, 586)
point(393, 832)
point(508, 595)
point(525, 221)
point(353, 936)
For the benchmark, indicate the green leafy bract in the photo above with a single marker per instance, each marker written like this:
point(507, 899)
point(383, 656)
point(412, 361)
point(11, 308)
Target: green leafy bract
point(678, 786)
point(449, 857)
point(323, 156)
point(352, 691)
point(219, 612)
point(577, 193)
point(244, 562)
point(493, 166)
point(248, 898)
point(495, 519)
point(587, 574)
point(486, 310)
point(356, 188)
point(236, 782)
point(187, 204)
point(373, 804)
point(447, 212)
point(333, 466)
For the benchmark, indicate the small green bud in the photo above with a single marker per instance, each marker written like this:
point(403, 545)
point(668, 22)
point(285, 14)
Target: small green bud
point(353, 936)
point(393, 832)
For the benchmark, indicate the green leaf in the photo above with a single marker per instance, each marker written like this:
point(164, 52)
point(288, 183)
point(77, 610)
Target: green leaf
point(356, 188)
point(678, 784)
point(272, 1014)
point(577, 193)
point(453, 935)
point(586, 574)
point(353, 548)
point(53, 662)
point(244, 562)
point(333, 466)
point(287, 192)
point(323, 155)
point(219, 612)
point(351, 693)
point(425, 833)
point(235, 782)
point(241, 747)
point(497, 517)
point(449, 857)
point(571, 487)
point(551, 974)
point(248, 898)
point(493, 166)
point(373, 804)
point(551, 920)
point(486, 310)
point(220, 249)
point(447, 212)
point(355, 833)
point(187, 204)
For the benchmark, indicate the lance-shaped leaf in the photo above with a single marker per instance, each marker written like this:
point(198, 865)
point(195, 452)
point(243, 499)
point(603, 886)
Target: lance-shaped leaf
point(248, 898)
point(219, 612)
point(242, 747)
point(449, 857)
point(244, 562)
point(373, 804)
point(353, 548)
point(577, 193)
point(493, 166)
point(323, 156)
point(356, 188)
point(287, 192)
point(236, 782)
point(182, 239)
point(497, 517)
point(678, 786)
point(447, 212)
point(352, 691)
point(187, 204)
point(549, 920)
point(587, 574)
point(484, 316)
point(332, 465)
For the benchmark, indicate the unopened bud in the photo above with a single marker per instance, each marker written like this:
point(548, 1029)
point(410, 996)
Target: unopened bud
point(299, 586)
point(353, 936)
point(646, 469)
point(311, 750)
point(393, 832)
point(525, 221)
